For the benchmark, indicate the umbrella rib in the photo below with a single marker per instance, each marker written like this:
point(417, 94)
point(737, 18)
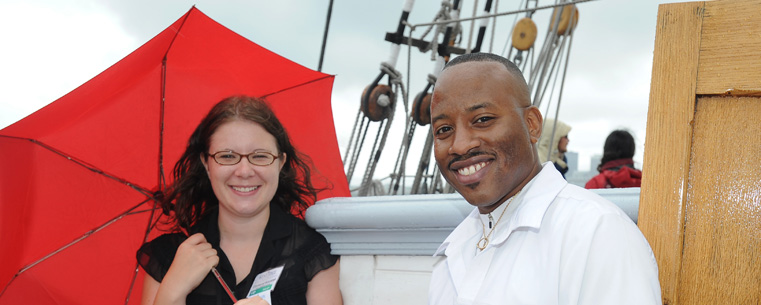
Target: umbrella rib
point(132, 284)
point(142, 211)
point(161, 123)
point(298, 85)
point(151, 224)
point(162, 177)
point(92, 168)
point(86, 235)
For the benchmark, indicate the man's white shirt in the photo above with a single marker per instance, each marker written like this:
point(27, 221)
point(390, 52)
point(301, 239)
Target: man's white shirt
point(556, 244)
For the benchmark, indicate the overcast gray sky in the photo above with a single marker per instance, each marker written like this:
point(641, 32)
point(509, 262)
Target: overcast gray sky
point(50, 47)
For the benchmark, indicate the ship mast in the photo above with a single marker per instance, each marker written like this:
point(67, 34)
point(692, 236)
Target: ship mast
point(378, 100)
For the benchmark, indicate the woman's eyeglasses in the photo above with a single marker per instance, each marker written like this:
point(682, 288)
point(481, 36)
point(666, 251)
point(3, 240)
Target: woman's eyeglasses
point(260, 158)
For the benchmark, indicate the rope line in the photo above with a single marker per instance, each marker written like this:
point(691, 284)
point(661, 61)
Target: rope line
point(542, 67)
point(497, 14)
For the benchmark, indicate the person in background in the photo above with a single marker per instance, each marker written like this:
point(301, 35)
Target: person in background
point(235, 187)
point(531, 238)
point(559, 144)
point(616, 166)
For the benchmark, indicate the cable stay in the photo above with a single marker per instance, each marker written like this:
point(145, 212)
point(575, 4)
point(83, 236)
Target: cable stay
point(420, 112)
point(551, 65)
point(544, 71)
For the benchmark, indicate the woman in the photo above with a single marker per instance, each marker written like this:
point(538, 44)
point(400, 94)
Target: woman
point(234, 188)
point(554, 149)
point(617, 167)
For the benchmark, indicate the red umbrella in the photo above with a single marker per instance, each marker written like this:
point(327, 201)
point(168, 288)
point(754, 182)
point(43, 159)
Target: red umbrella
point(77, 176)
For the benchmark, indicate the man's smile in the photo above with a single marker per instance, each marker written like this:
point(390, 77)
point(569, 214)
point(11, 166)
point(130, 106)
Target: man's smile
point(470, 170)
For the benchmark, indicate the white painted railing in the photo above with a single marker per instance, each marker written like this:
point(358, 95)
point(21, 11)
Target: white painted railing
point(408, 224)
point(386, 242)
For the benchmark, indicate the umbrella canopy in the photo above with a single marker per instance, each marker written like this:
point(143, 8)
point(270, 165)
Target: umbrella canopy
point(77, 177)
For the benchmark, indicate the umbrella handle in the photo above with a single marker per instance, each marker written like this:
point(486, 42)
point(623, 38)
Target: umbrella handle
point(224, 285)
point(216, 274)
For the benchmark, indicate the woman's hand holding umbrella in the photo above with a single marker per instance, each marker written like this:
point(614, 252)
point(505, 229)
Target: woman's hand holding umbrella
point(194, 259)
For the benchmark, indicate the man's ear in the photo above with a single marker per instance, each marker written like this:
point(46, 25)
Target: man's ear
point(534, 122)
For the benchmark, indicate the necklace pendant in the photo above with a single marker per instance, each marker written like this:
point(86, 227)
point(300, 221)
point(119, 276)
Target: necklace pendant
point(482, 243)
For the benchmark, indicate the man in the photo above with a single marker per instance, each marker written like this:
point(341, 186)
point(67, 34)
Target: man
point(532, 238)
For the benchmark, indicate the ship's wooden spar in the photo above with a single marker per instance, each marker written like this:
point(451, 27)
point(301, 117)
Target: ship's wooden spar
point(420, 114)
point(378, 105)
point(378, 101)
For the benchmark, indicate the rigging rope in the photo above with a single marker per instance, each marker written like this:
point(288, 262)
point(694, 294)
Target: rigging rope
point(395, 81)
point(353, 130)
point(493, 26)
point(325, 35)
point(472, 25)
point(398, 175)
point(552, 70)
point(562, 85)
point(442, 14)
point(544, 74)
point(357, 147)
point(423, 164)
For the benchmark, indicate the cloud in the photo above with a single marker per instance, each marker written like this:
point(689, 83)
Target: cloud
point(56, 46)
point(50, 50)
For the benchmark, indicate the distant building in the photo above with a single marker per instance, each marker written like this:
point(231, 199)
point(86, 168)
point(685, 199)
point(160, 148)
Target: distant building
point(578, 177)
point(594, 162)
point(573, 162)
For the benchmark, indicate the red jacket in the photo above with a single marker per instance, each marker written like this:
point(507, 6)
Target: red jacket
point(615, 174)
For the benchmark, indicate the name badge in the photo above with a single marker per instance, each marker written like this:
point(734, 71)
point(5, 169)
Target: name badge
point(264, 284)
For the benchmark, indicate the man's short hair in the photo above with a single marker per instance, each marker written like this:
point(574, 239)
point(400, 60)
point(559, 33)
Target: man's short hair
point(509, 65)
point(473, 57)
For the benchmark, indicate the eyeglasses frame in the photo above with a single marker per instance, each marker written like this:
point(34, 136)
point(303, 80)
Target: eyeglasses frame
point(242, 156)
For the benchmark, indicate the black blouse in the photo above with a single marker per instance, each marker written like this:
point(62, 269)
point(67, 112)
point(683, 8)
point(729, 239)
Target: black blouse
point(286, 241)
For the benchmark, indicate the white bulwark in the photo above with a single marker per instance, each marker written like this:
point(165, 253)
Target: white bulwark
point(386, 243)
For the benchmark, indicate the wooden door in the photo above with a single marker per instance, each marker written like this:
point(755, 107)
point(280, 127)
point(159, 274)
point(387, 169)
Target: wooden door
point(700, 204)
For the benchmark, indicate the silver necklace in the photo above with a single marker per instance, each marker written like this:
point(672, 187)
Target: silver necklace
point(484, 241)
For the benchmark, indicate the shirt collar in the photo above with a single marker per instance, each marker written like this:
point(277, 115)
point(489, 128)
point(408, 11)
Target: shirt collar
point(277, 225)
point(532, 203)
point(208, 225)
point(530, 207)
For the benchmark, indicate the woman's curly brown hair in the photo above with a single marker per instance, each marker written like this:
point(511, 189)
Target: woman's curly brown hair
point(191, 195)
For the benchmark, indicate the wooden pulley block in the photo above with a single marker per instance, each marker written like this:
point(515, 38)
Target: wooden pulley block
point(421, 109)
point(524, 34)
point(565, 17)
point(375, 107)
